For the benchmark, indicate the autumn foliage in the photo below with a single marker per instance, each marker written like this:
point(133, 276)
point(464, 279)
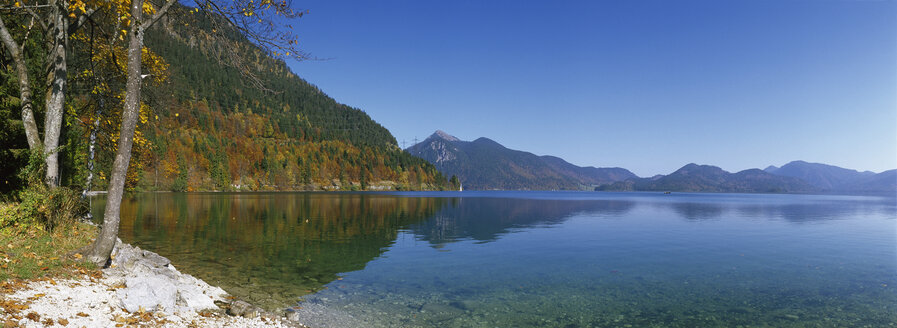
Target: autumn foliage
point(204, 127)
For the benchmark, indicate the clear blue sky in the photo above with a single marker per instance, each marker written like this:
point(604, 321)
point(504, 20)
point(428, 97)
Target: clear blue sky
point(645, 85)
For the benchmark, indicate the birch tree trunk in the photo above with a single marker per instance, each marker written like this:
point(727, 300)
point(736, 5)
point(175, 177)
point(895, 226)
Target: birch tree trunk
point(111, 217)
point(56, 79)
point(18, 58)
point(102, 247)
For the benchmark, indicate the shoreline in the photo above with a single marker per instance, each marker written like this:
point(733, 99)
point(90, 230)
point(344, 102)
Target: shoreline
point(139, 287)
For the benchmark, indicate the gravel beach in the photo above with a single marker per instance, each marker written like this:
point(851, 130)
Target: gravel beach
point(139, 288)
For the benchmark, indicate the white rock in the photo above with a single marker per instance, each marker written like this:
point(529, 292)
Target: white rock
point(148, 293)
point(151, 282)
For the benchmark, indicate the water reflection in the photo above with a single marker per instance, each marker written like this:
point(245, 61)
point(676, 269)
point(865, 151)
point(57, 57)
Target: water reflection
point(816, 208)
point(272, 248)
point(486, 219)
point(698, 211)
point(268, 248)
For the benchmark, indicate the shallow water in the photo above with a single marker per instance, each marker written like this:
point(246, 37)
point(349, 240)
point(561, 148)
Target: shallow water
point(560, 259)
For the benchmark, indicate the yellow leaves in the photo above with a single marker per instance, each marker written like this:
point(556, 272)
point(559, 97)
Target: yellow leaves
point(76, 7)
point(17, 4)
point(144, 114)
point(154, 65)
point(148, 8)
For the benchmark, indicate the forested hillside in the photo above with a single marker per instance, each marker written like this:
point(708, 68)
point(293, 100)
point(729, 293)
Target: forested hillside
point(212, 125)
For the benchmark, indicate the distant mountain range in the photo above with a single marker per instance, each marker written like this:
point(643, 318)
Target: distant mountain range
point(836, 179)
point(485, 164)
point(706, 178)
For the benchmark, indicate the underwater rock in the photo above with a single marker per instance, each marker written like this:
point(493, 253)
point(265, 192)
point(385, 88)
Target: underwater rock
point(240, 308)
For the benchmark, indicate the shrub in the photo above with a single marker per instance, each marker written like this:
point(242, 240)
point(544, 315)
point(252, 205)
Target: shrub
point(41, 205)
point(50, 208)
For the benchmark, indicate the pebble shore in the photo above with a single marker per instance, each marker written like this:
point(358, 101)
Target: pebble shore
point(139, 288)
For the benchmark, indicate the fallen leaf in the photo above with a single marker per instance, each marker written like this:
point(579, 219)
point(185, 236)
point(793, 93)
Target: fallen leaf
point(78, 256)
point(62, 322)
point(82, 314)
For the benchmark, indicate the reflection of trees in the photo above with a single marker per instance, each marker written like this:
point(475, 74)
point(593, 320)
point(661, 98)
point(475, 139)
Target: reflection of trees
point(284, 242)
point(485, 219)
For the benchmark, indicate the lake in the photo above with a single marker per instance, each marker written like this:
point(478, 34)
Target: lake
point(535, 259)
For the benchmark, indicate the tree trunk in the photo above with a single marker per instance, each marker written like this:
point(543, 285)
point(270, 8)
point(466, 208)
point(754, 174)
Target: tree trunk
point(111, 217)
point(91, 153)
point(31, 132)
point(56, 79)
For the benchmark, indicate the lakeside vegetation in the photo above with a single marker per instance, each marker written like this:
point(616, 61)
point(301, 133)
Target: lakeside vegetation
point(40, 232)
point(30, 252)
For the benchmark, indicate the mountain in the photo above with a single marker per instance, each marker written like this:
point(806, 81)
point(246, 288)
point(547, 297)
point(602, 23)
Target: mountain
point(485, 164)
point(881, 183)
point(823, 176)
point(210, 127)
point(706, 178)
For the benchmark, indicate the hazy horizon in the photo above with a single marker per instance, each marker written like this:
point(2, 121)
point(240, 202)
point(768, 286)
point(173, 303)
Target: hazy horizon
point(646, 85)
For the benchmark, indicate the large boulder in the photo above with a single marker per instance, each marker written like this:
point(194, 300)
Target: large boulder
point(151, 283)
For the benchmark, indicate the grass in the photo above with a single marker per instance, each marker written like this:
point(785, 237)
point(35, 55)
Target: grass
point(30, 252)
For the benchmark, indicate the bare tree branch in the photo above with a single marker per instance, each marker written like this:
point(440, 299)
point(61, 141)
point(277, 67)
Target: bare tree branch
point(38, 18)
point(81, 20)
point(24, 7)
point(159, 13)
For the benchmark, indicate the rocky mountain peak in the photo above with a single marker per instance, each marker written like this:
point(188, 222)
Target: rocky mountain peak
point(444, 135)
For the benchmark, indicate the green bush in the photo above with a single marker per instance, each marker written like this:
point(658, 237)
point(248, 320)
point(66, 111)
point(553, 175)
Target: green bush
point(9, 214)
point(41, 205)
point(50, 208)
